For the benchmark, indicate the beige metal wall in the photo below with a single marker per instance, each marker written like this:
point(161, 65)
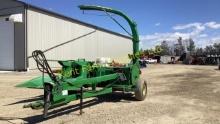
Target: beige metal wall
point(45, 31)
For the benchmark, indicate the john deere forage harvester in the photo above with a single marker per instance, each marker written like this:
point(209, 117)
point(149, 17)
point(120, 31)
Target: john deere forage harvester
point(79, 79)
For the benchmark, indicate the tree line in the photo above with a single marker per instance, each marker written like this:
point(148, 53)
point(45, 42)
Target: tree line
point(183, 46)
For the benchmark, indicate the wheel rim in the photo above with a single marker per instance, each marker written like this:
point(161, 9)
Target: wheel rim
point(144, 91)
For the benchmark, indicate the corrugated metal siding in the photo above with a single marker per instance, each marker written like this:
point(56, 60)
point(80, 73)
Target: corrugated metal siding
point(46, 31)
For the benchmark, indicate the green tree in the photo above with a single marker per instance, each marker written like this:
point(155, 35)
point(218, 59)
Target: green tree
point(158, 50)
point(165, 48)
point(179, 48)
point(151, 52)
point(217, 48)
point(191, 47)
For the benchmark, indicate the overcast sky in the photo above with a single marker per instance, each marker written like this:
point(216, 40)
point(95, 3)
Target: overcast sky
point(157, 19)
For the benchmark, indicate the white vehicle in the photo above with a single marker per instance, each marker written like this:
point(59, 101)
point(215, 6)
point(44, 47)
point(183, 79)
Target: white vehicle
point(151, 61)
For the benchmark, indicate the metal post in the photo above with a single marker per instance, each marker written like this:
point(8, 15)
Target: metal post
point(45, 111)
point(43, 74)
point(94, 87)
point(81, 100)
point(219, 63)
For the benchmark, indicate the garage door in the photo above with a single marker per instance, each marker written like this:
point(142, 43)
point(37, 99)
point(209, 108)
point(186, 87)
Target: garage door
point(6, 44)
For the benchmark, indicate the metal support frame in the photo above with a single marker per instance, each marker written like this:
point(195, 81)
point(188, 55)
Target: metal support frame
point(81, 100)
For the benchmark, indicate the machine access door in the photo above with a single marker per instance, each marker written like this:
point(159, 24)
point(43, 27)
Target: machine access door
point(6, 44)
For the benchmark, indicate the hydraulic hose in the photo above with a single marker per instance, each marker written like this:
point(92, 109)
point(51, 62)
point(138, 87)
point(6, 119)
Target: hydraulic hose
point(42, 64)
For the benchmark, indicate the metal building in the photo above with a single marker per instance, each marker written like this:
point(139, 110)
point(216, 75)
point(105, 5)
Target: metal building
point(25, 28)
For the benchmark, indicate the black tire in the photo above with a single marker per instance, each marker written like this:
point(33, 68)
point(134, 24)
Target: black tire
point(141, 90)
point(47, 99)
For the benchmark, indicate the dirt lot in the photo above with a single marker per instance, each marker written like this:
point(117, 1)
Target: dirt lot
point(177, 94)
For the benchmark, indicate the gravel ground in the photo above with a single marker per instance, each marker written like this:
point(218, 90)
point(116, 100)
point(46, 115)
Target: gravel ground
point(177, 94)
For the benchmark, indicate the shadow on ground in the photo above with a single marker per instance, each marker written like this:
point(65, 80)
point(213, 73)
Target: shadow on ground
point(114, 97)
point(32, 99)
